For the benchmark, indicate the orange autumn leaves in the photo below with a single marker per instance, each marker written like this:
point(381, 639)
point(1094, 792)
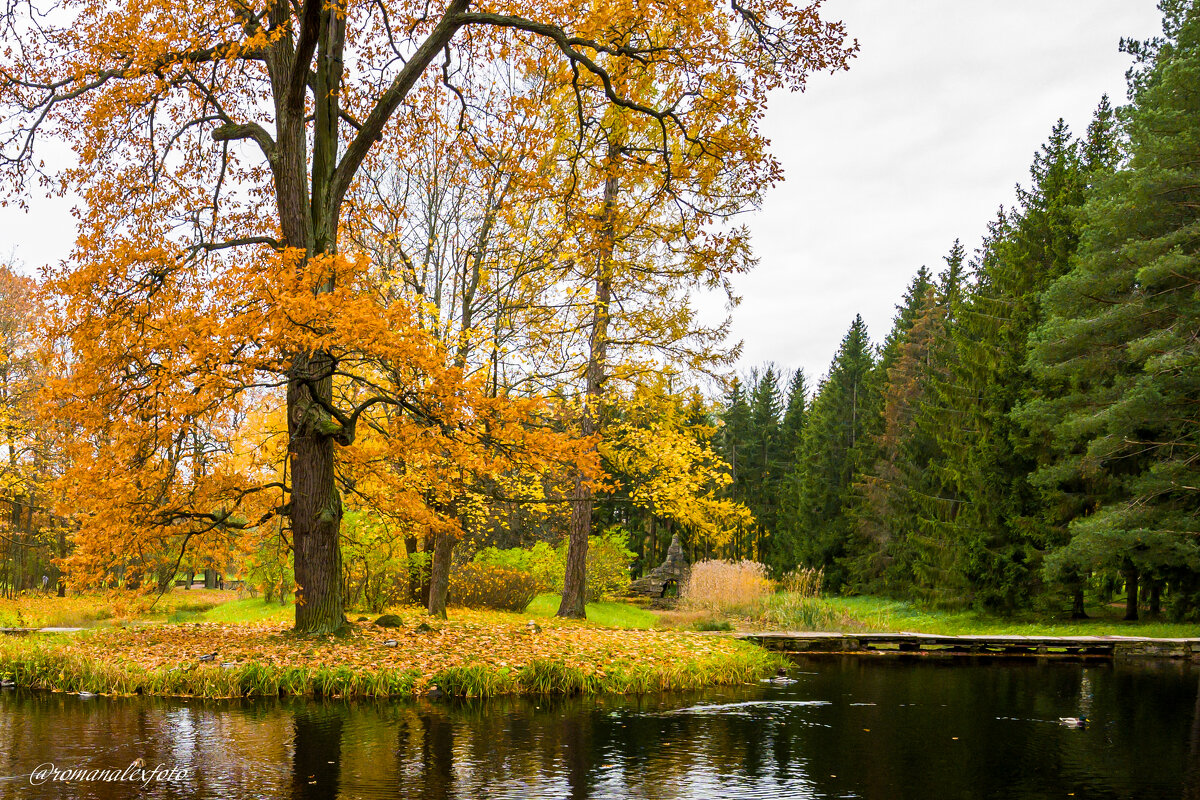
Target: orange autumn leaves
point(222, 153)
point(498, 644)
point(204, 455)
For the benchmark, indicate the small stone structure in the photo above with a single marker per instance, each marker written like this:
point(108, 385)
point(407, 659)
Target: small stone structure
point(667, 578)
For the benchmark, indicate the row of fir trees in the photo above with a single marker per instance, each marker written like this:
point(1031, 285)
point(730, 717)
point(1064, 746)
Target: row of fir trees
point(1030, 427)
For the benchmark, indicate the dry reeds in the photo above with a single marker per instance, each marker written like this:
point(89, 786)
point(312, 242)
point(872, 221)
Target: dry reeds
point(722, 585)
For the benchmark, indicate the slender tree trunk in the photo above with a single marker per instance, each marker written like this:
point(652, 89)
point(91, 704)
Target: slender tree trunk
point(62, 553)
point(1155, 599)
point(1130, 574)
point(575, 579)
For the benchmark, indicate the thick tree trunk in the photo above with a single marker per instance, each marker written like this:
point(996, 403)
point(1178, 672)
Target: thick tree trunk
point(1130, 574)
point(316, 505)
point(1155, 599)
point(439, 574)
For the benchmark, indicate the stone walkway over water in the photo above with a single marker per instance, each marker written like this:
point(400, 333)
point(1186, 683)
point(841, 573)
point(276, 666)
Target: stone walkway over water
point(975, 645)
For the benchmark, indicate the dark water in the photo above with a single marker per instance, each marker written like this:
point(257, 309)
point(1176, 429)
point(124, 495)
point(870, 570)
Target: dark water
point(869, 728)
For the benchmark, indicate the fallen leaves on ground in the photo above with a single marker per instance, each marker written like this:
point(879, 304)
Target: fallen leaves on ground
point(473, 638)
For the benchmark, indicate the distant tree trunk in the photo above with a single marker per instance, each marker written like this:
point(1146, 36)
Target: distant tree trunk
point(1130, 573)
point(62, 553)
point(414, 572)
point(1077, 610)
point(427, 575)
point(439, 574)
point(1155, 598)
point(210, 579)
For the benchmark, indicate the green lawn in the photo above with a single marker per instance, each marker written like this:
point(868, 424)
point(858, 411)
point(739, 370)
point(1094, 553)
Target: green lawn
point(884, 615)
point(607, 615)
point(252, 610)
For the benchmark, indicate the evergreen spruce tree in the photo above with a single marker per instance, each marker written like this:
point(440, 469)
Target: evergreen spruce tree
point(930, 561)
point(892, 455)
point(998, 527)
point(1121, 337)
point(781, 551)
point(764, 468)
point(832, 444)
point(734, 444)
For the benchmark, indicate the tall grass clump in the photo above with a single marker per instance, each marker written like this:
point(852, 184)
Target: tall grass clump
point(799, 606)
point(724, 585)
point(474, 680)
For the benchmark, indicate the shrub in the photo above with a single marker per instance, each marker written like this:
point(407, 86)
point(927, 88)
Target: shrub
point(720, 585)
point(710, 624)
point(608, 561)
point(541, 561)
point(489, 586)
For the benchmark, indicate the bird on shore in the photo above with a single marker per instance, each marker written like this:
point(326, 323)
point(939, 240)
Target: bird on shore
point(1073, 722)
point(533, 627)
point(209, 657)
point(7, 683)
point(391, 643)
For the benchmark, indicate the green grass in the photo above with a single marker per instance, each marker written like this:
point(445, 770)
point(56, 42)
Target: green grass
point(877, 614)
point(252, 610)
point(247, 610)
point(605, 615)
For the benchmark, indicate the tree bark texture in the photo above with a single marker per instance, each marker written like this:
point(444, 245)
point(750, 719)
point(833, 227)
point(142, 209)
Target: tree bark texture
point(439, 574)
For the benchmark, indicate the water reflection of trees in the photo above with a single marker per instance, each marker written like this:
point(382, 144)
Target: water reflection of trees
point(933, 731)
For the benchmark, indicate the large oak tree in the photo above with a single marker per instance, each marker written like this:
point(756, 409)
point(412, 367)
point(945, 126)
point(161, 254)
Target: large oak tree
point(214, 150)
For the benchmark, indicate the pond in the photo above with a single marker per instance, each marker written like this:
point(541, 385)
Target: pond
point(848, 727)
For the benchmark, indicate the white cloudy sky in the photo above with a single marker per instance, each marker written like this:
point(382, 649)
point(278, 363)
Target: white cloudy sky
point(917, 144)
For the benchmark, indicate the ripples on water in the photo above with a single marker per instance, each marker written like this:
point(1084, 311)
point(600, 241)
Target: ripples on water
point(856, 728)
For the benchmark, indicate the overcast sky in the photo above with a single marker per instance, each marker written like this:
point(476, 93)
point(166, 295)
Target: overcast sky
point(917, 144)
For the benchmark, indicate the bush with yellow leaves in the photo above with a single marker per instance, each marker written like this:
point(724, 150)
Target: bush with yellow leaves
point(476, 585)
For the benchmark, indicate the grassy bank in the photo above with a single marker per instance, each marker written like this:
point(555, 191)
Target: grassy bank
point(475, 654)
point(604, 615)
point(113, 608)
point(882, 615)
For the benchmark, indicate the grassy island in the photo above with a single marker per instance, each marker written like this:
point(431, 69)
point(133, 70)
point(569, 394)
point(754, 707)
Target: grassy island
point(252, 653)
